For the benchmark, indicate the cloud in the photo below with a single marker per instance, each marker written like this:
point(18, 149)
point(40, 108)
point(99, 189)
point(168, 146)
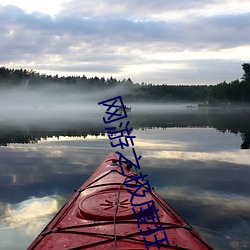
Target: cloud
point(26, 220)
point(233, 204)
point(29, 210)
point(116, 30)
point(125, 40)
point(150, 9)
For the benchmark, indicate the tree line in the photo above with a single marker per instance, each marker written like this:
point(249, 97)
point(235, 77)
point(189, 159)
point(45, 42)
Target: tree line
point(236, 91)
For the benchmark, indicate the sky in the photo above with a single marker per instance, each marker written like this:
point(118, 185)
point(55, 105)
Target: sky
point(152, 41)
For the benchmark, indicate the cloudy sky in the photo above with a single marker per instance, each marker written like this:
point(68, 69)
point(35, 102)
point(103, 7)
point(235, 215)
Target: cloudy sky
point(157, 41)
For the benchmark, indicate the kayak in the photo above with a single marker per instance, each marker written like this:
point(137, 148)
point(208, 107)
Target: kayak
point(107, 213)
point(128, 109)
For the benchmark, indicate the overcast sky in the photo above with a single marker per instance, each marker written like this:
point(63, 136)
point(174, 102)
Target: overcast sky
point(154, 41)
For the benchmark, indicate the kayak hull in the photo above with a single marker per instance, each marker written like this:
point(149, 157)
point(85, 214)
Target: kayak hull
point(101, 214)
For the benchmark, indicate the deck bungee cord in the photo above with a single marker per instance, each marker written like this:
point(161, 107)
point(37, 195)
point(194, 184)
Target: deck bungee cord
point(99, 214)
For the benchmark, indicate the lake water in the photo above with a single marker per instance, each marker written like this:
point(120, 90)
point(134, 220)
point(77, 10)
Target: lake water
point(197, 160)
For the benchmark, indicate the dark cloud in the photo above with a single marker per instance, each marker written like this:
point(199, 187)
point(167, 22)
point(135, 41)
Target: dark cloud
point(204, 30)
point(225, 31)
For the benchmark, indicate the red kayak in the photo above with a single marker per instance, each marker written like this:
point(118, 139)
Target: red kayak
point(115, 211)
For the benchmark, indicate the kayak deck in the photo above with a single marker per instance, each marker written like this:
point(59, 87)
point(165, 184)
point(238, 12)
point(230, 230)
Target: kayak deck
point(100, 215)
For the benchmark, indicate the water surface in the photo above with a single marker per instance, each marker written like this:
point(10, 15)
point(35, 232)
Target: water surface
point(193, 158)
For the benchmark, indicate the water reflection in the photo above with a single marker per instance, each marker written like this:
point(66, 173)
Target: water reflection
point(20, 222)
point(193, 161)
point(233, 121)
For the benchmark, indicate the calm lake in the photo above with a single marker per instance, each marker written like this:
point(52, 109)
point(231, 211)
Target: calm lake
point(198, 160)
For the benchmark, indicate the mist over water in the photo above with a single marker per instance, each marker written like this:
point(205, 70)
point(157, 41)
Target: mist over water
point(55, 102)
point(61, 107)
point(60, 102)
point(192, 156)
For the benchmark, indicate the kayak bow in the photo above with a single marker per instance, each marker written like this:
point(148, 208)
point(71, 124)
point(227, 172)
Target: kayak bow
point(100, 215)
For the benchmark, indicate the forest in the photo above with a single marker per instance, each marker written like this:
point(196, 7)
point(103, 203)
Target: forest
point(224, 93)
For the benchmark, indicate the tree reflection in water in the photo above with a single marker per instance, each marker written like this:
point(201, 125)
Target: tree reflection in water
point(233, 121)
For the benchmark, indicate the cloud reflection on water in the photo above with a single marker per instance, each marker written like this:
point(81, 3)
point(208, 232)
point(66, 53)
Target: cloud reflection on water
point(207, 184)
point(236, 156)
point(22, 222)
point(29, 210)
